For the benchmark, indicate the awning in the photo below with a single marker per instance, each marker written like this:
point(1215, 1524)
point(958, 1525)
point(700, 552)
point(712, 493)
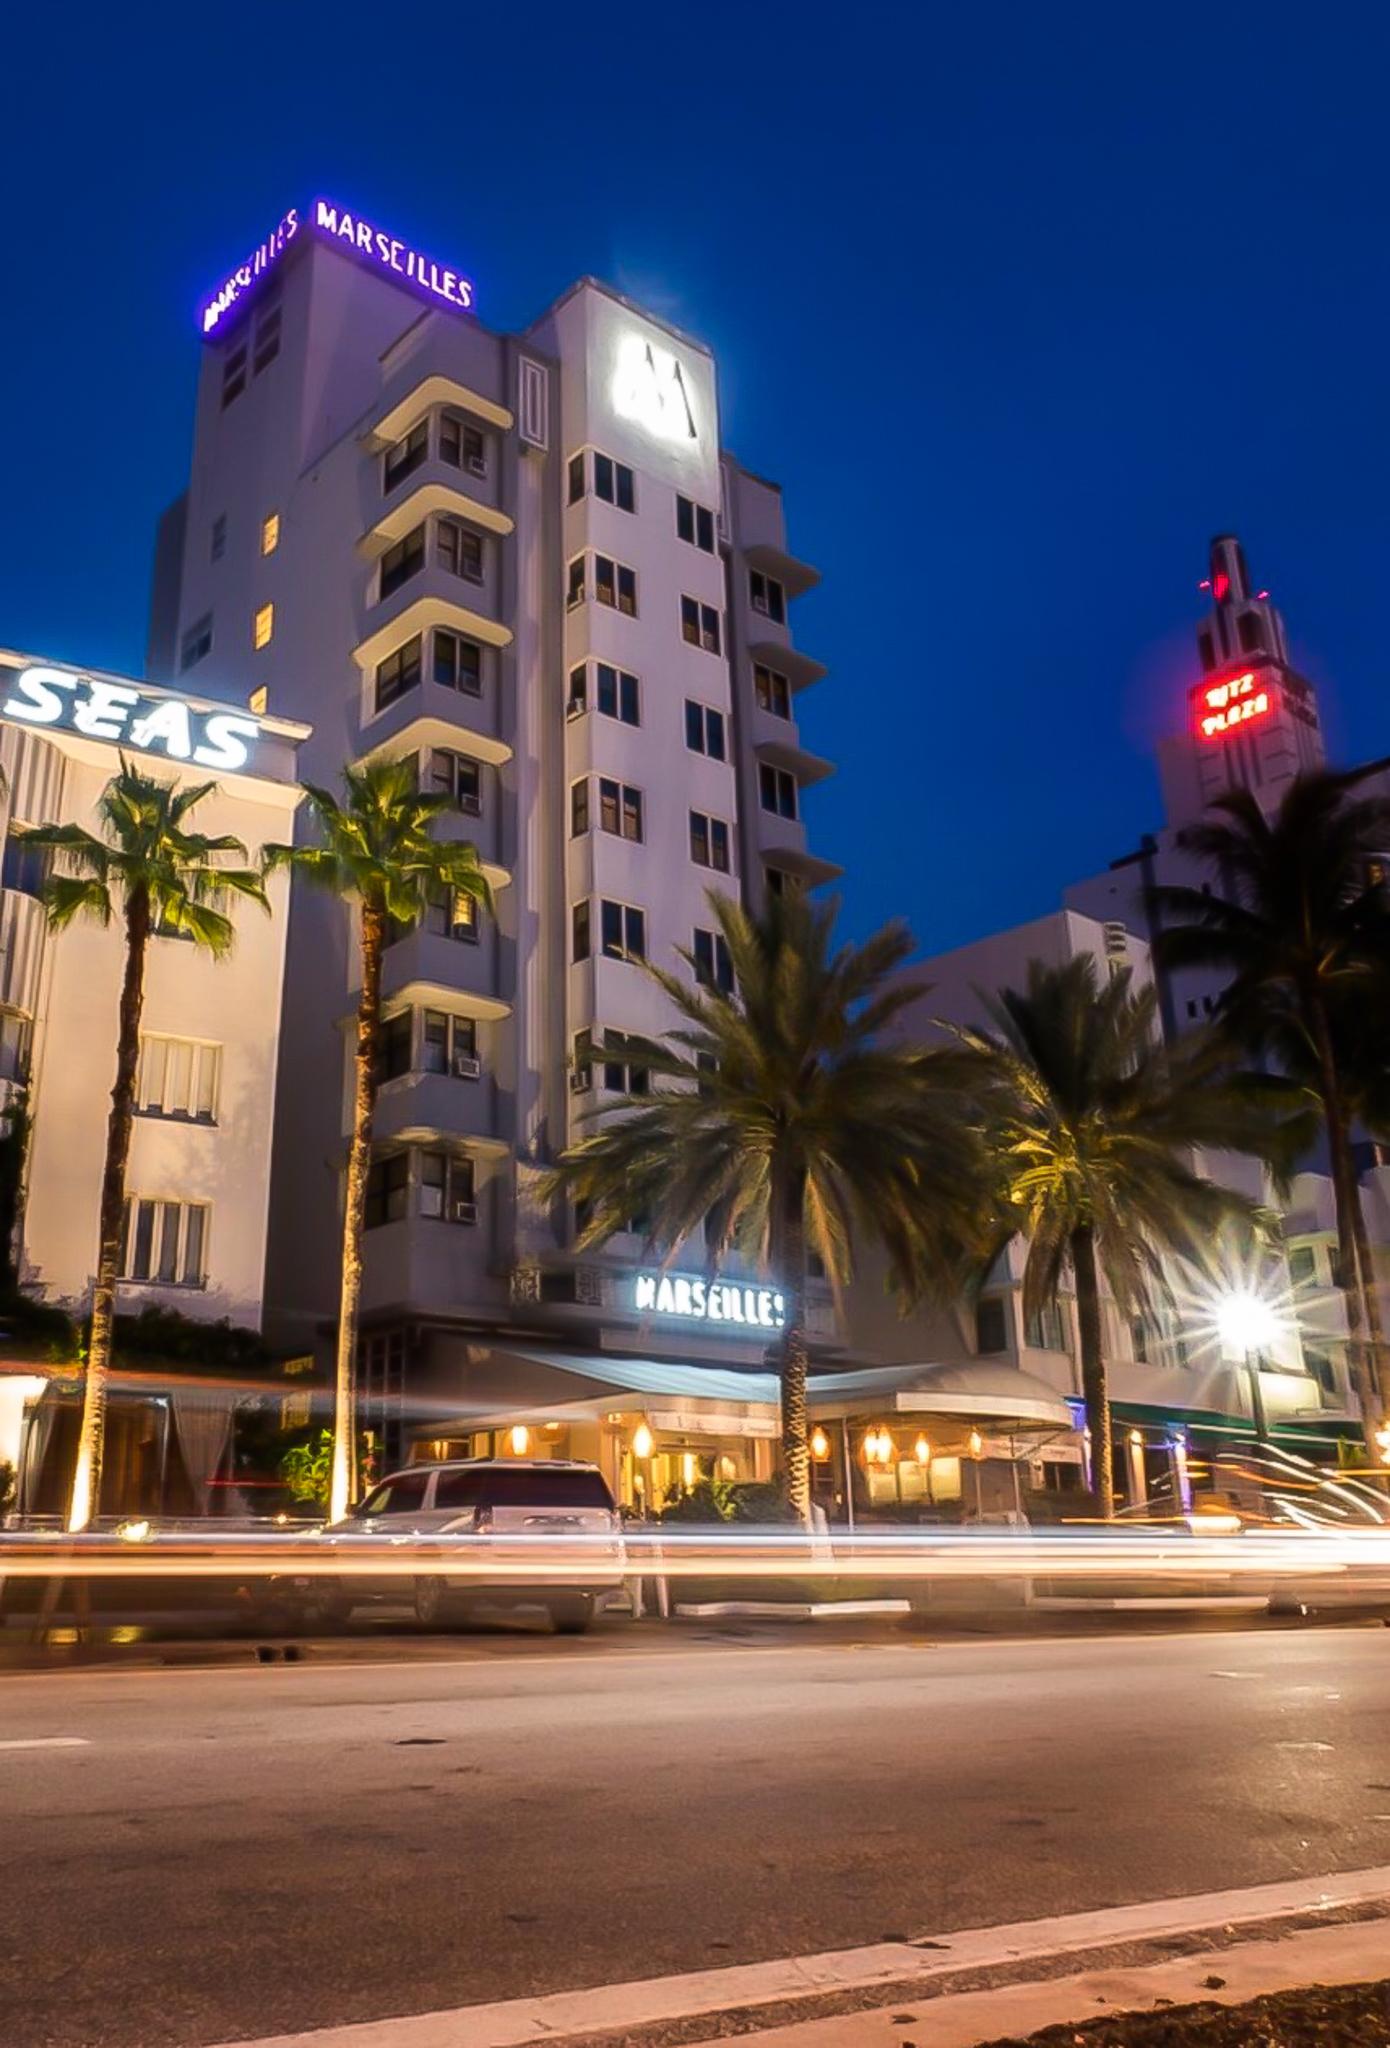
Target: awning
point(976, 1390)
point(498, 1387)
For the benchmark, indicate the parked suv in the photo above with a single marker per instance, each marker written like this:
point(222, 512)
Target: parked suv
point(512, 1505)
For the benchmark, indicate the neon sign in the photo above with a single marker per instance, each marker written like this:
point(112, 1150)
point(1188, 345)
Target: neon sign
point(1235, 701)
point(152, 722)
point(710, 1301)
point(371, 244)
point(649, 387)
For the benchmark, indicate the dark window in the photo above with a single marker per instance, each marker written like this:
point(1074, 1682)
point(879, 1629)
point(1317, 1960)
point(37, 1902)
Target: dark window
point(459, 777)
point(458, 663)
point(617, 694)
point(613, 483)
point(579, 931)
point(704, 729)
point(219, 537)
point(623, 931)
point(575, 588)
point(621, 1074)
point(396, 1045)
point(766, 595)
point(579, 807)
point(197, 642)
point(407, 455)
point(713, 967)
point(578, 700)
point(1303, 1264)
point(402, 561)
point(447, 1188)
point(233, 374)
point(462, 446)
point(777, 790)
point(576, 478)
point(695, 523)
point(619, 809)
point(1250, 630)
point(990, 1326)
point(24, 868)
point(434, 1043)
point(388, 1191)
point(690, 620)
point(266, 340)
point(459, 549)
point(1206, 650)
point(709, 842)
point(398, 673)
point(458, 1490)
point(614, 585)
point(700, 624)
point(773, 692)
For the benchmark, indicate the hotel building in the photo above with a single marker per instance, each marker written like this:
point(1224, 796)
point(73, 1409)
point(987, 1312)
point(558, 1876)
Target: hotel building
point(527, 561)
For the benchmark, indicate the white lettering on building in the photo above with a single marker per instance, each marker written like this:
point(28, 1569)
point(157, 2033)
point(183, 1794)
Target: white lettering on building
point(709, 1301)
point(649, 386)
point(130, 716)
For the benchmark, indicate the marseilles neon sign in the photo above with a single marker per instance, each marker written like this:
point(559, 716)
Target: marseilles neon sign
point(1223, 707)
point(709, 1301)
point(131, 717)
point(372, 245)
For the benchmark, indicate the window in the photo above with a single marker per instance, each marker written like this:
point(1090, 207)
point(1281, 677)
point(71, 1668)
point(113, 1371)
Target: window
point(399, 672)
point(395, 1052)
point(619, 809)
point(575, 589)
point(270, 533)
point(704, 730)
point(233, 374)
point(459, 777)
point(773, 692)
point(24, 868)
point(388, 1191)
point(458, 663)
point(258, 700)
point(617, 693)
point(612, 481)
point(777, 790)
point(15, 1044)
point(623, 931)
point(403, 561)
point(614, 585)
point(780, 882)
point(265, 339)
point(461, 445)
point(164, 1241)
point(218, 546)
point(1303, 1265)
point(1047, 1330)
point(991, 1329)
point(579, 931)
point(459, 549)
point(449, 1045)
point(447, 1188)
point(579, 807)
point(197, 642)
point(582, 1062)
point(453, 914)
point(695, 523)
point(767, 596)
point(262, 627)
point(178, 1077)
point(399, 461)
point(709, 842)
point(713, 967)
point(618, 1072)
point(700, 624)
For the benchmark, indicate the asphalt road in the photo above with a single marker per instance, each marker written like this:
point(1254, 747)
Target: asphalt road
point(225, 1854)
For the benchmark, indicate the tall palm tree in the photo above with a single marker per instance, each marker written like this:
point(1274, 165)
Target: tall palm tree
point(158, 877)
point(378, 851)
point(1092, 1123)
point(782, 1123)
point(1301, 927)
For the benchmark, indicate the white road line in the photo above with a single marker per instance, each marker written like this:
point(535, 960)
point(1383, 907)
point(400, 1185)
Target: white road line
point(616, 2008)
point(47, 1742)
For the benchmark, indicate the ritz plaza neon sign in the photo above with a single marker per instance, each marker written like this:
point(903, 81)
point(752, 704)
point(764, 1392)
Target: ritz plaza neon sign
point(1221, 708)
point(710, 1301)
point(370, 244)
point(152, 723)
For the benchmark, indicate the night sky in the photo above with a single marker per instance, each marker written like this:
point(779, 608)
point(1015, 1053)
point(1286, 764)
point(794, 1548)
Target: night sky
point(1019, 304)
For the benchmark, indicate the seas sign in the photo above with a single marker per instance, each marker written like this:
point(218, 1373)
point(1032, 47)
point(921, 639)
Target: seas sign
point(440, 283)
point(129, 715)
point(728, 1304)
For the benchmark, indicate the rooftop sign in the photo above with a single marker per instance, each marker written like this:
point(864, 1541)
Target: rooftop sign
point(721, 1302)
point(129, 715)
point(372, 245)
point(1220, 708)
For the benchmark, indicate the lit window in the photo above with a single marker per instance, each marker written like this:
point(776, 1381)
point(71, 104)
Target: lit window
point(263, 626)
point(270, 533)
point(258, 701)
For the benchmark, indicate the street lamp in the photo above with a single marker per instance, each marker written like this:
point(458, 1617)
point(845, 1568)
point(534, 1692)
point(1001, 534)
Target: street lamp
point(1248, 1326)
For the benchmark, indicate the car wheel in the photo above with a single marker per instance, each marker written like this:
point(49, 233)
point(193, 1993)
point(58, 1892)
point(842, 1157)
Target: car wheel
point(571, 1617)
point(325, 1610)
point(435, 1606)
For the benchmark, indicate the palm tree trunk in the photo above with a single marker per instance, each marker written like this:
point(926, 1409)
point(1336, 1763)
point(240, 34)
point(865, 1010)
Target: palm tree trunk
point(1095, 1385)
point(343, 1484)
point(787, 1256)
point(1356, 1275)
point(86, 1478)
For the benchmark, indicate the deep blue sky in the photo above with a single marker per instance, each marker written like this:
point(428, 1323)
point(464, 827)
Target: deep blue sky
point(1020, 304)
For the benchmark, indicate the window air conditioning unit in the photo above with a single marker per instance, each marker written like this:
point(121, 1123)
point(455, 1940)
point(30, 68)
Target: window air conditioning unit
point(477, 465)
point(467, 1066)
point(1116, 936)
point(463, 1212)
point(581, 1080)
point(471, 806)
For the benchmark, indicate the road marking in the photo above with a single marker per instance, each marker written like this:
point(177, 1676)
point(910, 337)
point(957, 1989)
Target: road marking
point(47, 1742)
point(619, 2008)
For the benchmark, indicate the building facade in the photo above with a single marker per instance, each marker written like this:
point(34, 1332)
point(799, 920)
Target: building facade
point(527, 561)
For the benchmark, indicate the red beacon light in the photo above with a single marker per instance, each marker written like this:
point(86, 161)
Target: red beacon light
point(1234, 701)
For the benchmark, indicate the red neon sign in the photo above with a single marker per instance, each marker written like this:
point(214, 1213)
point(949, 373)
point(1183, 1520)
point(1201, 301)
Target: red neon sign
point(1235, 701)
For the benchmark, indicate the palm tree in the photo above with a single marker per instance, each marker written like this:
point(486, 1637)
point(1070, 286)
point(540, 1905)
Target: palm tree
point(378, 852)
point(1092, 1123)
point(1301, 928)
point(786, 1125)
point(159, 877)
